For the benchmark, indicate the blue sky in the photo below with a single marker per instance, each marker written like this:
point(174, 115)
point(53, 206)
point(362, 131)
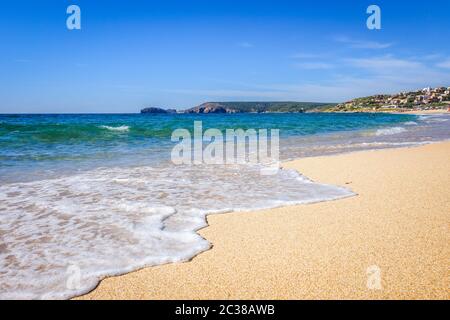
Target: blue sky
point(177, 54)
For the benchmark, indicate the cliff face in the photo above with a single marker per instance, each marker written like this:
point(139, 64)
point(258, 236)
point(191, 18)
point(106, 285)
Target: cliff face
point(211, 107)
point(157, 110)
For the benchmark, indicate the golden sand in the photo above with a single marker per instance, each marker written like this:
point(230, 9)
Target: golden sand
point(425, 112)
point(399, 222)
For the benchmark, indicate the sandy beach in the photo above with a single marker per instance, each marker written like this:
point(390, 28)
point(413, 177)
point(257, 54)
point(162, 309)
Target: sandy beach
point(425, 112)
point(398, 222)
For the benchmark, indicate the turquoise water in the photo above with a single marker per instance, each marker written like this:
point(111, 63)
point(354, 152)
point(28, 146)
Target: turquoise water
point(41, 144)
point(83, 197)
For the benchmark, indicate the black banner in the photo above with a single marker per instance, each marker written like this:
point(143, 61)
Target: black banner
point(214, 309)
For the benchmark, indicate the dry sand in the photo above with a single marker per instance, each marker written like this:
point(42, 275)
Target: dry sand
point(399, 222)
point(425, 112)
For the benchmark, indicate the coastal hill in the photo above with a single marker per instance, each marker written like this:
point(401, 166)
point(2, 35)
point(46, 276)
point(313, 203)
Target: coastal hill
point(249, 107)
point(256, 107)
point(424, 99)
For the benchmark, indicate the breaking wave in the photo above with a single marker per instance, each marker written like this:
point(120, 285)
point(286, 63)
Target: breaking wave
point(389, 131)
point(111, 221)
point(120, 128)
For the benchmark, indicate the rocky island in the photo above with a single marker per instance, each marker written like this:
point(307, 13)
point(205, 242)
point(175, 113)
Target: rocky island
point(158, 110)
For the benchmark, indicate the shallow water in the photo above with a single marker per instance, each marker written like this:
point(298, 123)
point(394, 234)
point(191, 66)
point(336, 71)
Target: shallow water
point(85, 196)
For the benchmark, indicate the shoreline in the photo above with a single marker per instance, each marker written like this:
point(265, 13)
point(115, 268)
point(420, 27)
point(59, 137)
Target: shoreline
point(412, 112)
point(426, 112)
point(187, 279)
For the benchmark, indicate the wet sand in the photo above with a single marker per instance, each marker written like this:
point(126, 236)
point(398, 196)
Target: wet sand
point(397, 225)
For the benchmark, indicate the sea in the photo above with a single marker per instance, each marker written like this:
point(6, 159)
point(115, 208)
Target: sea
point(86, 196)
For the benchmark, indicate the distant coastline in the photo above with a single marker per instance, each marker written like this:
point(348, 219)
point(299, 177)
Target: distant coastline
point(427, 99)
point(247, 107)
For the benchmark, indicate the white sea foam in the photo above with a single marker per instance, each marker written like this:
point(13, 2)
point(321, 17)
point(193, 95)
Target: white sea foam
point(434, 118)
point(424, 117)
point(437, 119)
point(393, 144)
point(410, 123)
point(120, 128)
point(389, 131)
point(112, 221)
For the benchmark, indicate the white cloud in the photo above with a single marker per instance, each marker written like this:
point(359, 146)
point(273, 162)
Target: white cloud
point(384, 63)
point(363, 44)
point(213, 94)
point(337, 88)
point(362, 77)
point(433, 56)
point(314, 65)
point(390, 73)
point(306, 56)
point(371, 45)
point(445, 64)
